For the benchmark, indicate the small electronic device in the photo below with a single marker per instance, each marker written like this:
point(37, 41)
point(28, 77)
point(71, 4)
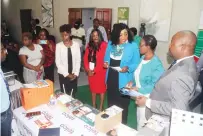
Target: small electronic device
point(43, 42)
point(30, 114)
point(104, 116)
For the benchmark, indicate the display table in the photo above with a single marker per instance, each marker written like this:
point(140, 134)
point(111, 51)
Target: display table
point(53, 117)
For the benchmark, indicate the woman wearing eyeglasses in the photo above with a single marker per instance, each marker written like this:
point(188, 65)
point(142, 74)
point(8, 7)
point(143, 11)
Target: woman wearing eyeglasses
point(147, 73)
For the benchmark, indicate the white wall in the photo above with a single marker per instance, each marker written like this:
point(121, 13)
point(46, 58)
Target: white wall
point(10, 11)
point(87, 13)
point(185, 15)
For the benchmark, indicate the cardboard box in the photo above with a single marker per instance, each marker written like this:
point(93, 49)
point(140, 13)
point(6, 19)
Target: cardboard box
point(114, 118)
point(33, 97)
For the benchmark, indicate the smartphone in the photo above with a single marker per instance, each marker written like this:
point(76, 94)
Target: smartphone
point(43, 42)
point(30, 114)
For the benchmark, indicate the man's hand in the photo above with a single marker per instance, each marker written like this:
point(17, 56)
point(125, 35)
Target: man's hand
point(124, 69)
point(141, 100)
point(90, 73)
point(106, 65)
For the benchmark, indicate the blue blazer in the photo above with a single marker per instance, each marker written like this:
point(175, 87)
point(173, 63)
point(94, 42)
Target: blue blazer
point(130, 58)
point(149, 74)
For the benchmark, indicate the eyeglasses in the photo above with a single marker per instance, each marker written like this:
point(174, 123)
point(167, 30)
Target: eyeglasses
point(142, 45)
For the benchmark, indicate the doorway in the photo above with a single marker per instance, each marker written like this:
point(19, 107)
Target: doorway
point(88, 14)
point(87, 18)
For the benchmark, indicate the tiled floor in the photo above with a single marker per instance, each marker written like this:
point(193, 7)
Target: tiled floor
point(81, 81)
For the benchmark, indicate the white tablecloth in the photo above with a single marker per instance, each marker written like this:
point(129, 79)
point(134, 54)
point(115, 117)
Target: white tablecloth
point(15, 94)
point(68, 123)
point(15, 86)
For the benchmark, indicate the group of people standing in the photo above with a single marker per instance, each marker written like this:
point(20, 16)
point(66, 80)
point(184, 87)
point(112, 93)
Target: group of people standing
point(140, 68)
point(122, 50)
point(162, 90)
point(37, 57)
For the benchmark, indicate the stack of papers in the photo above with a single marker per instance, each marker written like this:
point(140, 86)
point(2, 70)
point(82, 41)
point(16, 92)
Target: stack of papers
point(86, 113)
point(184, 123)
point(155, 126)
point(37, 84)
point(43, 122)
point(72, 105)
point(89, 118)
point(116, 68)
point(132, 93)
point(64, 98)
point(113, 110)
point(41, 83)
point(83, 110)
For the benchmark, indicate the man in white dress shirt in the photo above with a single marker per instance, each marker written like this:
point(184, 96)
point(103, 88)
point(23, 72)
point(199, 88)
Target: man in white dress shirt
point(68, 59)
point(78, 33)
point(96, 26)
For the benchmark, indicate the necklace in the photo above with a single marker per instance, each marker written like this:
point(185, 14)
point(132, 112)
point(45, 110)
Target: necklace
point(118, 50)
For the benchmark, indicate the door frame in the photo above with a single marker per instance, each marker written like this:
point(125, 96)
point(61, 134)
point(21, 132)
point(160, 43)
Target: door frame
point(81, 11)
point(69, 10)
point(110, 19)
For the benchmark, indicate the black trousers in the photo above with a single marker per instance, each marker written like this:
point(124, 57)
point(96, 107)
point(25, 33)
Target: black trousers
point(68, 84)
point(120, 101)
point(114, 97)
point(49, 72)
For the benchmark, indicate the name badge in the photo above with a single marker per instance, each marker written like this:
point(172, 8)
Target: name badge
point(91, 65)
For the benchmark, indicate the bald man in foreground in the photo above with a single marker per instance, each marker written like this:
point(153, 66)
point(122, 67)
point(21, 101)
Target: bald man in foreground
point(177, 85)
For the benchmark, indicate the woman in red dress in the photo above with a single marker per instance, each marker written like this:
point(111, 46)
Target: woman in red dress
point(93, 63)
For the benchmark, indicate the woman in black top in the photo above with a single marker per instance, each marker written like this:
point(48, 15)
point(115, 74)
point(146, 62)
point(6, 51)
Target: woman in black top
point(124, 53)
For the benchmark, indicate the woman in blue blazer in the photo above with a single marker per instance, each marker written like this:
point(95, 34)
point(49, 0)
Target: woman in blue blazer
point(147, 73)
point(122, 53)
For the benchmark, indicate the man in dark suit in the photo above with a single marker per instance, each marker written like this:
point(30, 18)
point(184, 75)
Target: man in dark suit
point(35, 28)
point(176, 86)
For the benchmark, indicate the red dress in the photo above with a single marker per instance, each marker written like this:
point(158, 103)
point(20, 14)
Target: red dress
point(97, 81)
